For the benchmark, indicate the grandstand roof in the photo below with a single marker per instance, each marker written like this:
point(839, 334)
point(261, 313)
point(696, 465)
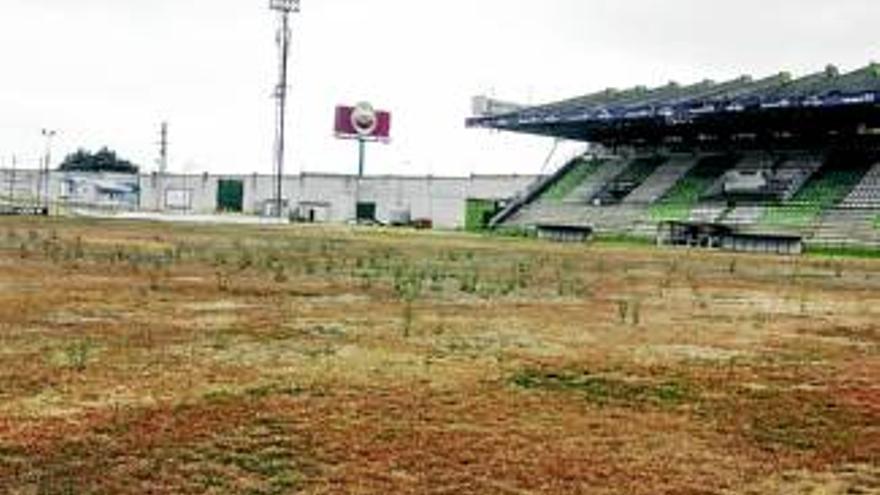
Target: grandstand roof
point(590, 117)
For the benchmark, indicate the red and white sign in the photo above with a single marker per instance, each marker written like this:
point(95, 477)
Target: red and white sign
point(362, 121)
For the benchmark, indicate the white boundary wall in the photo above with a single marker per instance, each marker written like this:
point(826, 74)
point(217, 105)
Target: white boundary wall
point(440, 199)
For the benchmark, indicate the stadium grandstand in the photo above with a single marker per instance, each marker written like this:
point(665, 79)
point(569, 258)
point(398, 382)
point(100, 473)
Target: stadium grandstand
point(774, 158)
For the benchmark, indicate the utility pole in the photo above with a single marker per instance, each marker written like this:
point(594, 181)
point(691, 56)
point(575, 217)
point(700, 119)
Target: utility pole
point(163, 166)
point(284, 8)
point(163, 148)
point(12, 180)
point(49, 134)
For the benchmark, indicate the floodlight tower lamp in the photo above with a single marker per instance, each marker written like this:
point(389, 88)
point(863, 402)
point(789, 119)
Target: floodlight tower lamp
point(286, 6)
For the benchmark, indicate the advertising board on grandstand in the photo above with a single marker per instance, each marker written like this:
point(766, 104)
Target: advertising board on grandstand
point(362, 122)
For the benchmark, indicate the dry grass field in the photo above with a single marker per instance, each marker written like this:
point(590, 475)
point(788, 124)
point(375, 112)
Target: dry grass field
point(141, 358)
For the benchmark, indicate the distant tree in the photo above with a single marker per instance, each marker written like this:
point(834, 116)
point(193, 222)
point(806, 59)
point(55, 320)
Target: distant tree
point(104, 160)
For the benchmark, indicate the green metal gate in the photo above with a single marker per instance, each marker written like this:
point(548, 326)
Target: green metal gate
point(230, 196)
point(478, 214)
point(366, 212)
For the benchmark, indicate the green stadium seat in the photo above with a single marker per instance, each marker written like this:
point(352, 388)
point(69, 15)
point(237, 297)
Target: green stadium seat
point(565, 185)
point(827, 189)
point(678, 203)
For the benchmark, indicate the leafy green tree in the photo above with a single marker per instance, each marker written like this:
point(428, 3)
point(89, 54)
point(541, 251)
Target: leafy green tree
point(104, 160)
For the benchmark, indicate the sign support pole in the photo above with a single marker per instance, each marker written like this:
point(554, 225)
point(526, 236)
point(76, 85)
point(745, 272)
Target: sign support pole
point(357, 193)
point(362, 152)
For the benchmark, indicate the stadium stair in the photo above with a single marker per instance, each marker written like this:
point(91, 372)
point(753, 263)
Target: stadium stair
point(742, 215)
point(574, 184)
point(792, 174)
point(618, 219)
point(867, 193)
point(569, 199)
point(662, 180)
point(707, 213)
point(607, 171)
point(577, 166)
point(563, 185)
point(681, 200)
point(843, 227)
point(635, 174)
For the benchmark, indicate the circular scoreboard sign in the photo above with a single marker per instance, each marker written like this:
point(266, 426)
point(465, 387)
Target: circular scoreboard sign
point(364, 119)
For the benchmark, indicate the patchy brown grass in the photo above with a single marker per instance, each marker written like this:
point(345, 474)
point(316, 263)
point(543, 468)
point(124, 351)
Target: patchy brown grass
point(139, 358)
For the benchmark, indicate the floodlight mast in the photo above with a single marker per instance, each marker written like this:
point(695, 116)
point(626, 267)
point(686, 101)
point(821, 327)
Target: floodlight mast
point(285, 8)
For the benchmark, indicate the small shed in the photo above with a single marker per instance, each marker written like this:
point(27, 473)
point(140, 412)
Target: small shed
point(725, 238)
point(704, 235)
point(565, 233)
point(763, 243)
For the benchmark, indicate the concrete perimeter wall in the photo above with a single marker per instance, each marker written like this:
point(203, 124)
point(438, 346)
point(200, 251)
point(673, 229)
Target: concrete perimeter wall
point(440, 199)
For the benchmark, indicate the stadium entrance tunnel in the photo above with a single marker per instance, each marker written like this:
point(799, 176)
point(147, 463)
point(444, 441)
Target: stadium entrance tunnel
point(725, 238)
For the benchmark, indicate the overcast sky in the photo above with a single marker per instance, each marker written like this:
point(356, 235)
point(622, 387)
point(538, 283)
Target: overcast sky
point(107, 72)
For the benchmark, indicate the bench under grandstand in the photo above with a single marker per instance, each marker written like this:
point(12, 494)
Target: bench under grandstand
point(775, 156)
